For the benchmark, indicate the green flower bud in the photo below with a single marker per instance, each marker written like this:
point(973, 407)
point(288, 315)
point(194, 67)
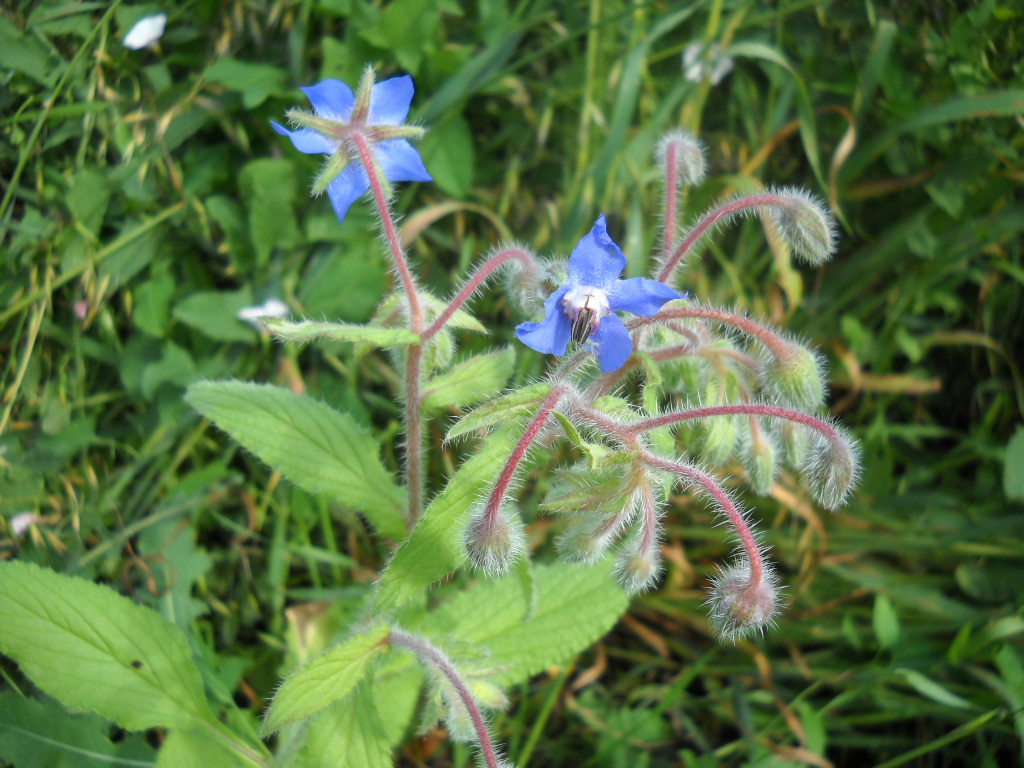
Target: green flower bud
point(794, 376)
point(805, 225)
point(494, 543)
point(831, 469)
point(739, 606)
point(688, 153)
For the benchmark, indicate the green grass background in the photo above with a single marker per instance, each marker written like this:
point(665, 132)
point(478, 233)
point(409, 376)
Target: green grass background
point(145, 200)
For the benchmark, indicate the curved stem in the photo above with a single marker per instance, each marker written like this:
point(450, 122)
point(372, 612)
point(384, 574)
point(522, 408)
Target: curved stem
point(711, 487)
point(773, 342)
point(751, 409)
point(474, 282)
point(432, 655)
point(710, 219)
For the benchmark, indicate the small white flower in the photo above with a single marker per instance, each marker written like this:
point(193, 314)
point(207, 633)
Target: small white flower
point(269, 308)
point(146, 31)
point(705, 62)
point(21, 522)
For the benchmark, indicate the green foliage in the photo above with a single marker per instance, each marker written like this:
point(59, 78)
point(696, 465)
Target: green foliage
point(145, 200)
point(130, 665)
point(316, 447)
point(328, 678)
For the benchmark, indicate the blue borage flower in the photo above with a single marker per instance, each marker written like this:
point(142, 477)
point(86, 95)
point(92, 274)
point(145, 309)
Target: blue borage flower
point(375, 114)
point(581, 309)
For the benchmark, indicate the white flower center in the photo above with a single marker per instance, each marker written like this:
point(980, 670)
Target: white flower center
point(585, 305)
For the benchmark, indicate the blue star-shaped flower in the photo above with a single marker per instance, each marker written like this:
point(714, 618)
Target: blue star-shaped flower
point(581, 309)
point(341, 120)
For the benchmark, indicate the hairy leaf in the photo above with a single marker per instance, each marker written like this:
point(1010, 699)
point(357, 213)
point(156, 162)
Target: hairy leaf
point(308, 330)
point(350, 733)
point(469, 381)
point(328, 678)
point(94, 649)
point(314, 446)
point(435, 546)
point(501, 410)
point(575, 606)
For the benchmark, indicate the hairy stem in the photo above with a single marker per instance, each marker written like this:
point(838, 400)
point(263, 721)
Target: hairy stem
point(749, 409)
point(710, 219)
point(474, 282)
point(414, 357)
point(671, 199)
point(433, 656)
point(509, 470)
point(710, 486)
point(772, 341)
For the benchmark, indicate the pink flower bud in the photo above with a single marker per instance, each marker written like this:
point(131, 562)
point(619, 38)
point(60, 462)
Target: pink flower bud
point(740, 603)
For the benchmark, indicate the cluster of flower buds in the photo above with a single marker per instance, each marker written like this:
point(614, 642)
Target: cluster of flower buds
point(719, 388)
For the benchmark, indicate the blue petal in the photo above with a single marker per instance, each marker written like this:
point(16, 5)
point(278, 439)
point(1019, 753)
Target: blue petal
point(639, 296)
point(305, 140)
point(613, 344)
point(401, 162)
point(390, 100)
point(596, 260)
point(550, 335)
point(347, 187)
point(331, 98)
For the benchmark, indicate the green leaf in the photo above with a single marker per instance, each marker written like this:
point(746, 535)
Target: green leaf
point(351, 730)
point(307, 330)
point(469, 381)
point(932, 690)
point(406, 30)
point(575, 606)
point(314, 446)
point(215, 314)
point(195, 749)
point(256, 82)
point(129, 665)
point(885, 622)
point(88, 198)
point(42, 733)
point(501, 410)
point(435, 546)
point(1013, 467)
point(328, 678)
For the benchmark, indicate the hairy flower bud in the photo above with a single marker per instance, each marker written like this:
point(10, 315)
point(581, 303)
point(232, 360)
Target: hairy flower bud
point(688, 153)
point(638, 567)
point(831, 468)
point(587, 539)
point(494, 542)
point(805, 226)
point(795, 377)
point(740, 606)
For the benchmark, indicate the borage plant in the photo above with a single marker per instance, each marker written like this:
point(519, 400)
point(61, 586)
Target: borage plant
point(649, 401)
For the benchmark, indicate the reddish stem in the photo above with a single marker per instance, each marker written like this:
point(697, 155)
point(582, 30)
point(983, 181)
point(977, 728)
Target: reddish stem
point(390, 234)
point(473, 283)
point(774, 344)
point(509, 470)
point(709, 220)
point(432, 655)
point(711, 487)
point(751, 409)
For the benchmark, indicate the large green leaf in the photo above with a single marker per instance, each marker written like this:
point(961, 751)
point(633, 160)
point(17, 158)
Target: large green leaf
point(317, 448)
point(196, 749)
point(94, 649)
point(575, 606)
point(471, 381)
point(435, 546)
point(326, 679)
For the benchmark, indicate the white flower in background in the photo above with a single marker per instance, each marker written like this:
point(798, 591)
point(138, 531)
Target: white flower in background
point(146, 31)
point(21, 522)
point(269, 308)
point(705, 62)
